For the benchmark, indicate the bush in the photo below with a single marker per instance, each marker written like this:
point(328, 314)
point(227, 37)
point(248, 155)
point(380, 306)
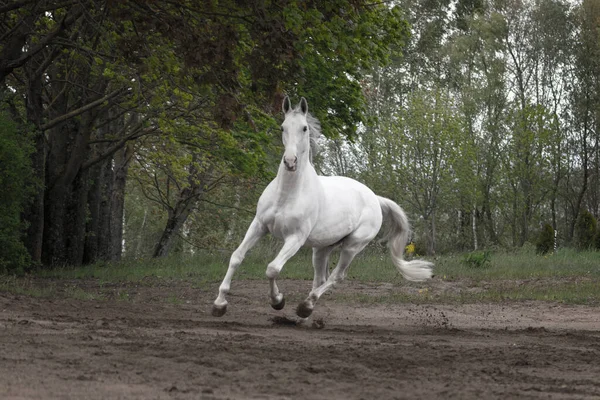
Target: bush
point(545, 240)
point(585, 230)
point(597, 239)
point(16, 177)
point(477, 259)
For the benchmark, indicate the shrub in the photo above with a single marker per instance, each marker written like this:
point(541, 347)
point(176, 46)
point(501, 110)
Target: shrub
point(420, 248)
point(16, 188)
point(545, 240)
point(585, 230)
point(477, 259)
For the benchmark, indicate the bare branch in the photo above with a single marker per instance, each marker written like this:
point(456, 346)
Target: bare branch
point(80, 110)
point(114, 148)
point(39, 46)
point(15, 5)
point(227, 206)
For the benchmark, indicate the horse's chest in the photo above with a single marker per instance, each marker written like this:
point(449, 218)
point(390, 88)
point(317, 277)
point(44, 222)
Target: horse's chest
point(285, 221)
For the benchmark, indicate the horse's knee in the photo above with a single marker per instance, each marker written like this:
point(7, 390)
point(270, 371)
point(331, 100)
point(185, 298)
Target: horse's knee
point(272, 272)
point(236, 259)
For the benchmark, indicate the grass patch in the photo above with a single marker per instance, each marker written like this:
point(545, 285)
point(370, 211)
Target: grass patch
point(198, 269)
point(75, 292)
point(523, 265)
point(568, 276)
point(25, 286)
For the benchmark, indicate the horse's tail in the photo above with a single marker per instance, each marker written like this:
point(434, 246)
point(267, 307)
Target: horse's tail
point(397, 238)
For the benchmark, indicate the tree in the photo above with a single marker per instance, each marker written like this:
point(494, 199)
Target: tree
point(94, 77)
point(585, 97)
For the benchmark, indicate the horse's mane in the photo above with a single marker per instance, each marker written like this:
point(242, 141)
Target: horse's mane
point(314, 127)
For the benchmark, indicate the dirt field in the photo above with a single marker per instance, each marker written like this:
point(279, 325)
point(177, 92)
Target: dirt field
point(162, 343)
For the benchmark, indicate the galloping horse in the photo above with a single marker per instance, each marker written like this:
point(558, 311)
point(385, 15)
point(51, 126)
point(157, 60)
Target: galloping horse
point(323, 212)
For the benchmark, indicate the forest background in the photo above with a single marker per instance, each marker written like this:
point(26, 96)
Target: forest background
point(134, 129)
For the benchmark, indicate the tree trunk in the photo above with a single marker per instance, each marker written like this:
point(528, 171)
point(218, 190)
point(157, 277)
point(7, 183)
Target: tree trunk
point(584, 184)
point(187, 199)
point(177, 218)
point(117, 202)
point(475, 245)
point(140, 235)
point(34, 213)
point(67, 153)
point(55, 210)
point(75, 227)
point(431, 233)
point(92, 238)
point(98, 191)
point(107, 179)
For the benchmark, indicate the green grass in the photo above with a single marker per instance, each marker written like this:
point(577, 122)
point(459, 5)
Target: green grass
point(78, 293)
point(24, 286)
point(199, 269)
point(568, 276)
point(525, 264)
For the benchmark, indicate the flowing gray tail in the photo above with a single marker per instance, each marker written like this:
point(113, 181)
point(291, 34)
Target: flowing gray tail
point(397, 237)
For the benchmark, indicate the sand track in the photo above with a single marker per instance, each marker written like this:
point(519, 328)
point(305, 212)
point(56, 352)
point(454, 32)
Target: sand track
point(148, 348)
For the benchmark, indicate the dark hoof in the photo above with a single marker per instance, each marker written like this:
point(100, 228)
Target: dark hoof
point(219, 311)
point(280, 305)
point(303, 311)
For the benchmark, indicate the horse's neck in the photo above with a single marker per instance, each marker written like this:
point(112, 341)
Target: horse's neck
point(293, 184)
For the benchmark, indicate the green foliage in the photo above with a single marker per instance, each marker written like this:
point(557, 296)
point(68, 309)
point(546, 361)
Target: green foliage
point(545, 240)
point(16, 188)
point(340, 42)
point(477, 259)
point(585, 230)
point(222, 80)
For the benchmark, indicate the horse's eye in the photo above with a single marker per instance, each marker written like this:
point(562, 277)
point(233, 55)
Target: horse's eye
point(282, 129)
point(305, 128)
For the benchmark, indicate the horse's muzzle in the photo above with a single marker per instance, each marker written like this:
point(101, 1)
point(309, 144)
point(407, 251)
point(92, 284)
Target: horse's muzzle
point(290, 164)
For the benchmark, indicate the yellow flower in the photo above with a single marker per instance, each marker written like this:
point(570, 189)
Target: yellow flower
point(410, 248)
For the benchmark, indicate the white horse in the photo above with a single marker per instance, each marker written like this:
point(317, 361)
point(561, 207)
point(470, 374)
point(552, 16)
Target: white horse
point(323, 212)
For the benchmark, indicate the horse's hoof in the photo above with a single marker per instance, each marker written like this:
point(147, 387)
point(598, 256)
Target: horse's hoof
point(303, 311)
point(219, 311)
point(280, 305)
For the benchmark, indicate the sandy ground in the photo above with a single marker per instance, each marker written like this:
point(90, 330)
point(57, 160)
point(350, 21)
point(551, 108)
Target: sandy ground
point(149, 347)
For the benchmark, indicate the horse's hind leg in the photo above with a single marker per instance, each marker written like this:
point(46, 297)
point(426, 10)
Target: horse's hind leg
point(320, 261)
point(254, 233)
point(291, 245)
point(347, 254)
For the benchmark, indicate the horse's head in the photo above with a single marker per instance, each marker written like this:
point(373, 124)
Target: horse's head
point(295, 134)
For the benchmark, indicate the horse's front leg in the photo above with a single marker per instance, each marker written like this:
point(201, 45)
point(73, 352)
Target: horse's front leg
point(291, 245)
point(254, 233)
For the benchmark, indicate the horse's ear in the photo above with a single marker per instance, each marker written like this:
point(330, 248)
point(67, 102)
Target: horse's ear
point(287, 105)
point(303, 106)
